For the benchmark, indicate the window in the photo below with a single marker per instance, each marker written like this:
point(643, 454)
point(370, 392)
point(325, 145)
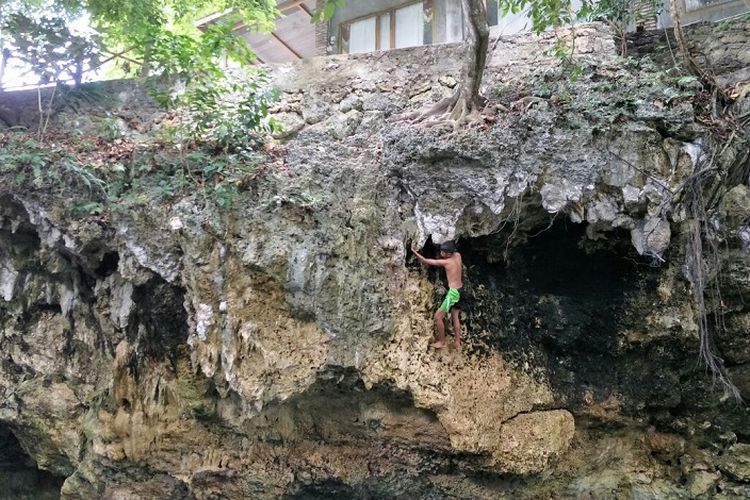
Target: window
point(451, 28)
point(407, 26)
point(362, 36)
point(492, 12)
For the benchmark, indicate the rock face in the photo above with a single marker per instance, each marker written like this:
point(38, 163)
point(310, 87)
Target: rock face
point(279, 348)
point(528, 440)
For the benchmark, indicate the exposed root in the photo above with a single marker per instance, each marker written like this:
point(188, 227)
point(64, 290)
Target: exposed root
point(707, 78)
point(464, 106)
point(526, 102)
point(464, 115)
point(702, 261)
point(456, 111)
point(439, 109)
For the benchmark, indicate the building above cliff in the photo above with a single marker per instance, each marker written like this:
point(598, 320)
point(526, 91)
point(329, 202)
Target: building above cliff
point(368, 26)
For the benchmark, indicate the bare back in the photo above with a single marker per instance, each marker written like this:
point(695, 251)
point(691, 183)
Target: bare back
point(454, 270)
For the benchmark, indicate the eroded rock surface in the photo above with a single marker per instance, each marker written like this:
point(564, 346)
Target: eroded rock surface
point(279, 348)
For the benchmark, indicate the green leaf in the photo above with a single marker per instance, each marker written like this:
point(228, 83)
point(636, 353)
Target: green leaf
point(86, 208)
point(686, 80)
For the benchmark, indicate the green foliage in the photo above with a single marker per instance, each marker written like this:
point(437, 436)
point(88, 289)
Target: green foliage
point(224, 123)
point(83, 175)
point(230, 114)
point(327, 10)
point(688, 81)
point(74, 97)
point(598, 99)
point(109, 128)
point(196, 56)
point(158, 36)
point(225, 112)
point(219, 113)
point(619, 13)
point(164, 172)
point(40, 36)
point(563, 51)
point(543, 13)
point(546, 14)
point(34, 165)
point(11, 160)
point(80, 208)
point(212, 178)
point(224, 194)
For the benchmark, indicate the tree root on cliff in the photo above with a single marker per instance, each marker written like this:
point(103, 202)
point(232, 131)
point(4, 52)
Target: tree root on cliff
point(464, 107)
point(701, 262)
point(457, 111)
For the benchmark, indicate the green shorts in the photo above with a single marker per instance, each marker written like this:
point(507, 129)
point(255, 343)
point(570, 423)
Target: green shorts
point(450, 300)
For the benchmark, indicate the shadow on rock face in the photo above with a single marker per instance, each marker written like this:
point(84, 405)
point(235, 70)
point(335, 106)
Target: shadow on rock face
point(161, 323)
point(339, 409)
point(369, 488)
point(324, 489)
point(345, 441)
point(20, 479)
point(562, 296)
point(559, 304)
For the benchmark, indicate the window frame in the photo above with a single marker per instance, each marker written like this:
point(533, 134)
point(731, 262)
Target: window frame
point(392, 13)
point(487, 12)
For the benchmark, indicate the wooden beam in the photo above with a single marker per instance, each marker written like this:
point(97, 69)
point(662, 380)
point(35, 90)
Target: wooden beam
point(283, 7)
point(377, 33)
point(288, 4)
point(212, 18)
point(304, 9)
point(282, 42)
point(393, 29)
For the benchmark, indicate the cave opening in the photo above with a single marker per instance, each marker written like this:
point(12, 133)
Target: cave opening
point(554, 300)
point(108, 264)
point(159, 324)
point(19, 474)
point(381, 425)
point(557, 286)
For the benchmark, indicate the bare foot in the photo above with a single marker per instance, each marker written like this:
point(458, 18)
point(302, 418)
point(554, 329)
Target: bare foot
point(438, 345)
point(457, 344)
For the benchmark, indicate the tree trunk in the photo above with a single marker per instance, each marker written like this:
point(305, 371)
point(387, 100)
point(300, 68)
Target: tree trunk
point(705, 77)
point(78, 74)
point(477, 42)
point(146, 64)
point(679, 35)
point(3, 62)
point(464, 105)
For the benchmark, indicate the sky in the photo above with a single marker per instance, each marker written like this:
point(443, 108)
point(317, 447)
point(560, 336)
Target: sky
point(19, 76)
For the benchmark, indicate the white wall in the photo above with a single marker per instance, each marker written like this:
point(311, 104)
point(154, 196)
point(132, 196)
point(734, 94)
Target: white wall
point(694, 11)
point(449, 22)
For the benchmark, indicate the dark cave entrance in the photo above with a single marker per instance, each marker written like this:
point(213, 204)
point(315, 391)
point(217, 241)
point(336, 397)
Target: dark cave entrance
point(159, 324)
point(554, 299)
point(557, 288)
point(19, 476)
point(380, 425)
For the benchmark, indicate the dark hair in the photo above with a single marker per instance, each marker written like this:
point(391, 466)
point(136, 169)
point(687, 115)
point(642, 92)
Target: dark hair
point(448, 246)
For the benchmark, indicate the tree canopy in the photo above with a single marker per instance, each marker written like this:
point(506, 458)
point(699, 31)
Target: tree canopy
point(61, 39)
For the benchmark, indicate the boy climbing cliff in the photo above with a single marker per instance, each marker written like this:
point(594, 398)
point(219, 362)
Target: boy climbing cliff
point(451, 261)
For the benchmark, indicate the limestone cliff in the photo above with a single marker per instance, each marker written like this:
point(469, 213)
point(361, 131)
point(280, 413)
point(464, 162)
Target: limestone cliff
point(278, 348)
